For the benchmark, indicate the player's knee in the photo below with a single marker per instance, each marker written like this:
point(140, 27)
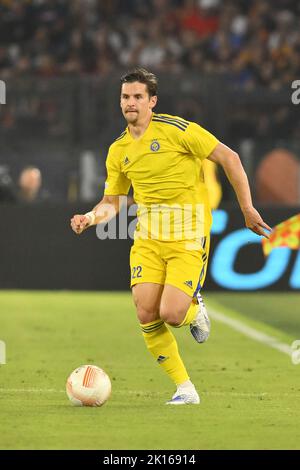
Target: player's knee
point(146, 303)
point(172, 317)
point(144, 315)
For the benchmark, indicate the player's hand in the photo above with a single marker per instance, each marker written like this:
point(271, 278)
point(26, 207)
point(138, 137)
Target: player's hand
point(79, 223)
point(255, 223)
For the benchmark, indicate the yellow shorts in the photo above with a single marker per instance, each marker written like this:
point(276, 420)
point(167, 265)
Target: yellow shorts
point(181, 263)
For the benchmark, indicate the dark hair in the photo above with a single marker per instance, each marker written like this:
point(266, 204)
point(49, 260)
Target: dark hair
point(142, 76)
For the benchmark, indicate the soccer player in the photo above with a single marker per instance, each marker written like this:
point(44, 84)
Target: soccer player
point(161, 156)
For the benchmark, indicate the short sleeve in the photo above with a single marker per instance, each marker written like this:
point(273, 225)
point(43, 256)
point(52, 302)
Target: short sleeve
point(198, 141)
point(116, 182)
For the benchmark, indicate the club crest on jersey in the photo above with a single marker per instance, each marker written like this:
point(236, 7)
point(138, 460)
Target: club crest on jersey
point(155, 146)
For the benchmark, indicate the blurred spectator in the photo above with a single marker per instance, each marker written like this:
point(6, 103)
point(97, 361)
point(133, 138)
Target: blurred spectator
point(278, 177)
point(7, 192)
point(256, 42)
point(30, 182)
point(253, 44)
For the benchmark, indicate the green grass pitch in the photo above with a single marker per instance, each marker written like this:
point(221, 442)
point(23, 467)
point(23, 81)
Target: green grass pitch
point(250, 392)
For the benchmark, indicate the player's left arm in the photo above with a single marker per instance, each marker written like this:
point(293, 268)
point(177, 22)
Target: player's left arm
point(231, 163)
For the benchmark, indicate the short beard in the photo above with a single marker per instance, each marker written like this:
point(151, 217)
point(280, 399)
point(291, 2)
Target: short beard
point(130, 120)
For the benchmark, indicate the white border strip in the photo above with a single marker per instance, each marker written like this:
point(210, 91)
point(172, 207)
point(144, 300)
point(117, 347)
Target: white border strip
point(251, 332)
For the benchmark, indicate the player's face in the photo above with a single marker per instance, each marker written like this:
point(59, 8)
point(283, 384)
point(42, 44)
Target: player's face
point(136, 103)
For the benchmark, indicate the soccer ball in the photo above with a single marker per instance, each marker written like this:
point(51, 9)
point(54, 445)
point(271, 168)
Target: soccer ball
point(88, 386)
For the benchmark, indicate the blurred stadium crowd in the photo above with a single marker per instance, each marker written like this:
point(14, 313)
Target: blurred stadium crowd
point(61, 61)
point(255, 42)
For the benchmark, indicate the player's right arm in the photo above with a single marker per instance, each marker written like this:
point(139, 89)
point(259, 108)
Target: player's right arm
point(103, 212)
point(116, 185)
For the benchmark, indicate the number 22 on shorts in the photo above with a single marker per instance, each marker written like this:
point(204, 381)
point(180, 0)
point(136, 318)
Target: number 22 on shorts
point(136, 272)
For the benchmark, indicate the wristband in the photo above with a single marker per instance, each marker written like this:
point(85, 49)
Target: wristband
point(92, 217)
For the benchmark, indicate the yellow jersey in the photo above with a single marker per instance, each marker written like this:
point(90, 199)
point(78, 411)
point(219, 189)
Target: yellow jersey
point(164, 167)
point(212, 183)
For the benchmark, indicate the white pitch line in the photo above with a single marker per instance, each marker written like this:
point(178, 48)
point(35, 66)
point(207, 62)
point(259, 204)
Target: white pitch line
point(251, 332)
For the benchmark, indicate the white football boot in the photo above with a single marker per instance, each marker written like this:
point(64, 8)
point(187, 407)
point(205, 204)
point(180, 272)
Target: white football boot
point(200, 327)
point(185, 394)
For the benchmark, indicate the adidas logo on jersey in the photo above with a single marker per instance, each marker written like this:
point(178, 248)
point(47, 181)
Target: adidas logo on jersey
point(126, 161)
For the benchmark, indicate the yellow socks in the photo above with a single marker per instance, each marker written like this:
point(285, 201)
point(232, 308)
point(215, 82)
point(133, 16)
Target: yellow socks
point(163, 347)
